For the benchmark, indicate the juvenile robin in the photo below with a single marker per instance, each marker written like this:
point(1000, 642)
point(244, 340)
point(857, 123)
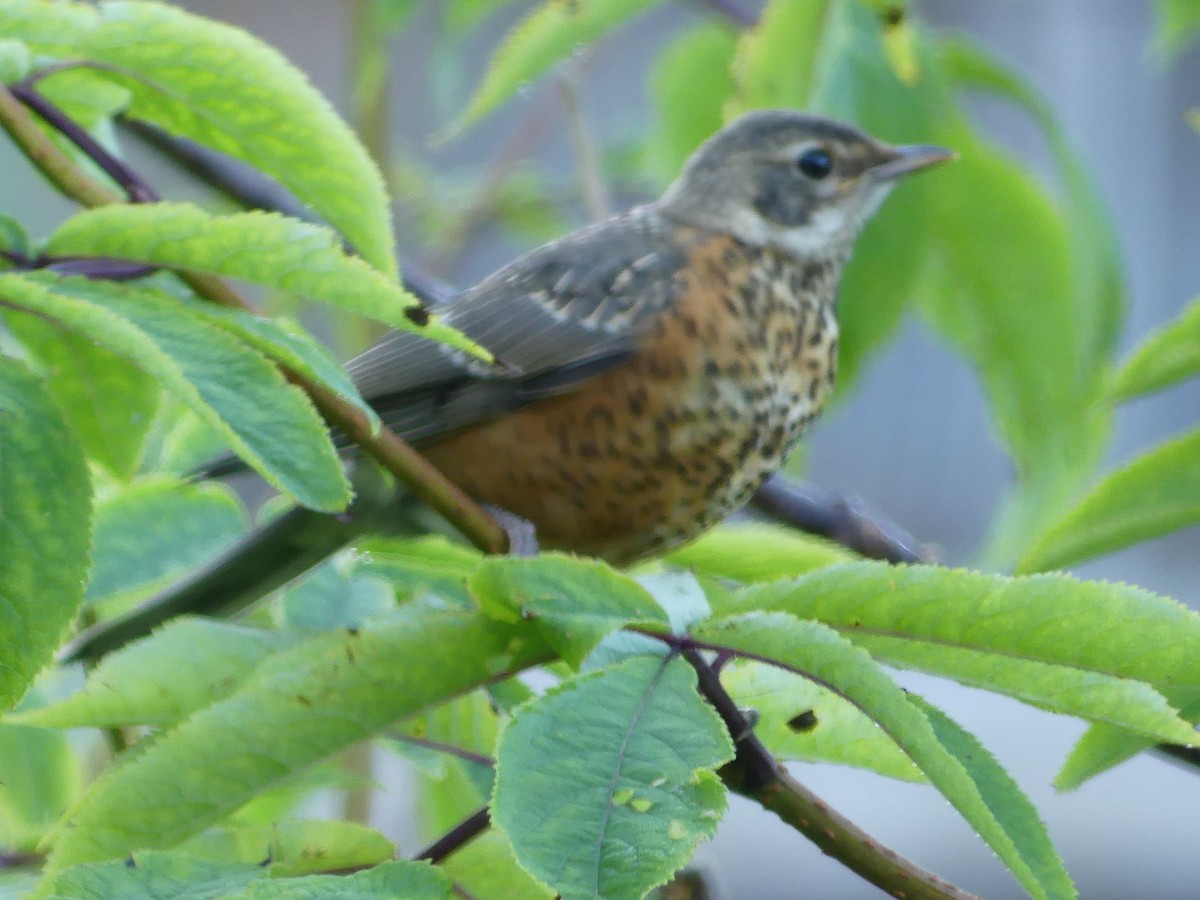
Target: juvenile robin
point(669, 359)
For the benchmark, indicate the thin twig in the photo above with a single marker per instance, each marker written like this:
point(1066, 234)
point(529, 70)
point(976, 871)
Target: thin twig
point(832, 516)
point(454, 750)
point(425, 481)
point(587, 160)
point(462, 833)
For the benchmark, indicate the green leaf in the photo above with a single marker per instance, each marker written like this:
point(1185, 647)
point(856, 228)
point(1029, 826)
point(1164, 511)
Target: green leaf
point(606, 762)
point(15, 61)
point(334, 597)
point(284, 341)
point(1095, 255)
point(299, 706)
point(1059, 689)
point(41, 776)
point(13, 236)
point(51, 28)
point(818, 652)
point(222, 87)
point(111, 401)
point(1157, 493)
point(576, 601)
point(1163, 359)
point(548, 35)
point(1104, 746)
point(45, 528)
point(417, 566)
point(154, 876)
point(409, 880)
point(798, 719)
point(257, 247)
point(153, 531)
point(777, 58)
point(144, 683)
point(1113, 629)
point(1005, 800)
point(268, 422)
point(295, 847)
point(1178, 23)
point(690, 85)
point(487, 867)
point(756, 552)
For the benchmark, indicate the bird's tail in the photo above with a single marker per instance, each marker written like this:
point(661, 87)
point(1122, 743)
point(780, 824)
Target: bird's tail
point(259, 563)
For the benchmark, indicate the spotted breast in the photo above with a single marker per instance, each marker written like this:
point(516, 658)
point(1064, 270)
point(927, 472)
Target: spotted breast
point(711, 401)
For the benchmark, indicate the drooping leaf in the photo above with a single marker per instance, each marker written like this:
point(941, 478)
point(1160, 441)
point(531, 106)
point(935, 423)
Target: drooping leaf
point(1113, 629)
point(1061, 689)
point(154, 876)
point(548, 35)
point(301, 705)
point(144, 683)
point(1157, 493)
point(812, 649)
point(220, 86)
point(45, 528)
point(270, 423)
point(1163, 359)
point(607, 762)
point(1004, 798)
point(257, 247)
point(153, 531)
point(111, 402)
point(798, 719)
point(576, 601)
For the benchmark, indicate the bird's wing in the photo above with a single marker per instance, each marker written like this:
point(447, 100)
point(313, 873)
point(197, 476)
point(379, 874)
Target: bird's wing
point(559, 315)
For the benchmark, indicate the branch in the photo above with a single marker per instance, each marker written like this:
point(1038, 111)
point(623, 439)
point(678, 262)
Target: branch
point(454, 750)
point(462, 833)
point(831, 516)
point(756, 775)
point(425, 481)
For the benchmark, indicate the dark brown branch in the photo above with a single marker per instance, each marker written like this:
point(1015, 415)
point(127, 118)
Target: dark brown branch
point(135, 188)
point(832, 516)
point(462, 833)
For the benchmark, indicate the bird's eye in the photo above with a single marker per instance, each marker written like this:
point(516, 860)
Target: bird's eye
point(816, 164)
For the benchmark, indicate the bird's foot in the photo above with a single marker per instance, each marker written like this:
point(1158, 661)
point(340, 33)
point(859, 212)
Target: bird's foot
point(522, 534)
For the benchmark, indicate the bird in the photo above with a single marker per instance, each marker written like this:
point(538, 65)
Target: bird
point(660, 364)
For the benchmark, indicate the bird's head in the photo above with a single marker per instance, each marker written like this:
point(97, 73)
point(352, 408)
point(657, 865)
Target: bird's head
point(799, 183)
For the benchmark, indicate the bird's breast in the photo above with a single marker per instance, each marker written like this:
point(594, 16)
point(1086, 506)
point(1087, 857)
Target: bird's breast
point(654, 451)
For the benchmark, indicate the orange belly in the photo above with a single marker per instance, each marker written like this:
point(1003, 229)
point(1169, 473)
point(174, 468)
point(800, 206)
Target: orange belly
point(660, 448)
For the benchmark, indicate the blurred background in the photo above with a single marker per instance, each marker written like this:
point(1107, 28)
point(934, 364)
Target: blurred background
point(912, 437)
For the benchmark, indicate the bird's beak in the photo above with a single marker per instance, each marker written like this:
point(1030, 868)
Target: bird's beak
point(901, 161)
